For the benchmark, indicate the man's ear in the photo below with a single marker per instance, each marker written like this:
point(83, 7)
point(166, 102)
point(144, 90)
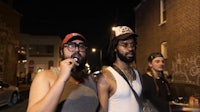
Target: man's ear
point(150, 64)
point(61, 53)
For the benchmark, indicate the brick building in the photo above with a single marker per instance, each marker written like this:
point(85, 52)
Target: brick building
point(9, 40)
point(173, 28)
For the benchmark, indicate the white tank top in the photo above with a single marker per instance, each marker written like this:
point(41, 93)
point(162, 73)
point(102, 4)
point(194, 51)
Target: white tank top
point(123, 100)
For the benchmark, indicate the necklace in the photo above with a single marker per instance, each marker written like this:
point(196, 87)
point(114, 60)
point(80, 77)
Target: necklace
point(129, 73)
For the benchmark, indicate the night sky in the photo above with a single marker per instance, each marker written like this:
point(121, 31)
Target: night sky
point(94, 20)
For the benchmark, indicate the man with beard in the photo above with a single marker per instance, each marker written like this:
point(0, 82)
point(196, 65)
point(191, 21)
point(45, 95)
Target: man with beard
point(66, 88)
point(114, 93)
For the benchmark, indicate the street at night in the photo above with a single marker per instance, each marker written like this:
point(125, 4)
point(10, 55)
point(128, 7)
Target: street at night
point(19, 107)
point(31, 41)
point(21, 104)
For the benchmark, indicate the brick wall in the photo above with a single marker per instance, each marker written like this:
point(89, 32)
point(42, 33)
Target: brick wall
point(181, 32)
point(9, 40)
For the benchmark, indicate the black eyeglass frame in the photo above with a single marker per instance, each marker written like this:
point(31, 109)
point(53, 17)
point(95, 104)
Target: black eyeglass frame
point(71, 46)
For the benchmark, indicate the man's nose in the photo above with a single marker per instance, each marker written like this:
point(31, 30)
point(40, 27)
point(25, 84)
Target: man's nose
point(130, 47)
point(76, 48)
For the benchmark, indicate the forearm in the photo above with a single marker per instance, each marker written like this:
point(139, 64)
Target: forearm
point(50, 101)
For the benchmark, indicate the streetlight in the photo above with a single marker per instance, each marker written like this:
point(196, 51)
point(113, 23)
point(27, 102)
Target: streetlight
point(100, 54)
point(113, 28)
point(94, 50)
point(113, 32)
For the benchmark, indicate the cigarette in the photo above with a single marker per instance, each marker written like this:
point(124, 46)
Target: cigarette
point(76, 59)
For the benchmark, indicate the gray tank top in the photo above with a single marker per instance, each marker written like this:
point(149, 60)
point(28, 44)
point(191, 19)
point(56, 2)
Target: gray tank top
point(79, 97)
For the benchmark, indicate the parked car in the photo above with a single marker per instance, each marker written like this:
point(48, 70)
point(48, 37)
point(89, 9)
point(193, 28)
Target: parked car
point(9, 94)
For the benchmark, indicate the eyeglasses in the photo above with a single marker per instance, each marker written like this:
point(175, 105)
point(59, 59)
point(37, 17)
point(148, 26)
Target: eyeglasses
point(126, 44)
point(71, 46)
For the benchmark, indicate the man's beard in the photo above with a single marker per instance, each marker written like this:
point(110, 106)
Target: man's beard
point(126, 59)
point(78, 74)
point(82, 63)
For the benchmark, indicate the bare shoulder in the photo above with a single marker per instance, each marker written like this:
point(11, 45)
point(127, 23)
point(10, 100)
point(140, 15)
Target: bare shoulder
point(41, 84)
point(106, 75)
point(106, 82)
point(46, 76)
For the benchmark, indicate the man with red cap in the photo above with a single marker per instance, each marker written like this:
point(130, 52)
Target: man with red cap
point(67, 88)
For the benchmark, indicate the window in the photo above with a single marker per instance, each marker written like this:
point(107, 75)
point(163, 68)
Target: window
point(163, 11)
point(41, 50)
point(164, 49)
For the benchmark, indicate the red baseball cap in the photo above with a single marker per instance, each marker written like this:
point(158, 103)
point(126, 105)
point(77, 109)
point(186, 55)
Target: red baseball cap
point(70, 36)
